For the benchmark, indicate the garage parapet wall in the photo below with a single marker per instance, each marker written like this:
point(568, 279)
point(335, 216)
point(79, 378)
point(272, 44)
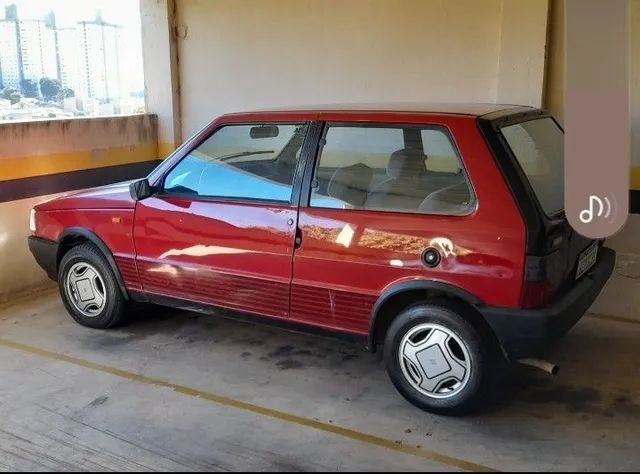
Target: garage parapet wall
point(41, 159)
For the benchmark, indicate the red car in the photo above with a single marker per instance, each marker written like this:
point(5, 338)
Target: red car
point(437, 232)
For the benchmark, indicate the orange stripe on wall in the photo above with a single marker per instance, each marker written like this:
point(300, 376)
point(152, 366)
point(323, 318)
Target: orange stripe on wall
point(40, 165)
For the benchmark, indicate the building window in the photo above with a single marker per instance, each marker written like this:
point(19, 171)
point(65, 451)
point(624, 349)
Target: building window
point(61, 61)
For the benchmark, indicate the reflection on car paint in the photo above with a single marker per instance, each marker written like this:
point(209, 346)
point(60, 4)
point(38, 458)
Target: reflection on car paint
point(202, 250)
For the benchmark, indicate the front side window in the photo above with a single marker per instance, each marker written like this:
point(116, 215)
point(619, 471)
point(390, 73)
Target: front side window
point(391, 168)
point(255, 162)
point(538, 146)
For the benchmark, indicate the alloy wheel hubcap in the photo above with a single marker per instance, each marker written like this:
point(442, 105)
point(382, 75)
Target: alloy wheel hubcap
point(434, 360)
point(86, 289)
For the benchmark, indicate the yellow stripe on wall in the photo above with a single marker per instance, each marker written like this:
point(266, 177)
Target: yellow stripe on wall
point(165, 149)
point(39, 165)
point(635, 178)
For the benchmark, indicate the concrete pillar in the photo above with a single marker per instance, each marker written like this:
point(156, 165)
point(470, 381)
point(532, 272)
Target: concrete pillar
point(554, 81)
point(635, 98)
point(521, 66)
point(161, 76)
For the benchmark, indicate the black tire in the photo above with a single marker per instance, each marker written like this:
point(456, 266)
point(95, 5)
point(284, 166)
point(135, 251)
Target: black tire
point(114, 309)
point(482, 350)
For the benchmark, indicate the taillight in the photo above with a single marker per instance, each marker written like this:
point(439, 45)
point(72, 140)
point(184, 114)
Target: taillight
point(536, 293)
point(542, 277)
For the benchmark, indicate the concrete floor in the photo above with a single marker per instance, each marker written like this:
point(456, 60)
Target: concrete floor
point(182, 391)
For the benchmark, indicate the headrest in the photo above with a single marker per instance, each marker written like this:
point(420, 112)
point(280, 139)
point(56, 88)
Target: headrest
point(455, 199)
point(406, 163)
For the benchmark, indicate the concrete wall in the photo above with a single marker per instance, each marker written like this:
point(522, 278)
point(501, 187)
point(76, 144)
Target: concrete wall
point(160, 63)
point(57, 146)
point(523, 40)
point(20, 275)
point(635, 94)
point(37, 159)
point(240, 54)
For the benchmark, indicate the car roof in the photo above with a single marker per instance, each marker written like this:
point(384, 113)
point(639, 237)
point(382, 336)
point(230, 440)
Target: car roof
point(452, 108)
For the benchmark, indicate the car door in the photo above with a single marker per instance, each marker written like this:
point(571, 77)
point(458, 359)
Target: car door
point(221, 229)
point(381, 194)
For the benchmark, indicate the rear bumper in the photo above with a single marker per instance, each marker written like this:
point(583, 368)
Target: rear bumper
point(525, 332)
point(46, 254)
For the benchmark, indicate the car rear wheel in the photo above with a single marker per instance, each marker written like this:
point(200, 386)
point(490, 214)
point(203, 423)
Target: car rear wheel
point(438, 359)
point(89, 288)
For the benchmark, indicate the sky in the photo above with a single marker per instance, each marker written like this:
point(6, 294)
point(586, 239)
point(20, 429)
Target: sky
point(68, 12)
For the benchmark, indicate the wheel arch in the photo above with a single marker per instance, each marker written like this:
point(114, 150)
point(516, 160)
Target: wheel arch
point(399, 295)
point(72, 236)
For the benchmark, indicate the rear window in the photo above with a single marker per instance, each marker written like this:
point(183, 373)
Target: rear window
point(538, 146)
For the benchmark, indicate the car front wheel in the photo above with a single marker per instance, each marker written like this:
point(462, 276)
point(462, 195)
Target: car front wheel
point(438, 359)
point(89, 288)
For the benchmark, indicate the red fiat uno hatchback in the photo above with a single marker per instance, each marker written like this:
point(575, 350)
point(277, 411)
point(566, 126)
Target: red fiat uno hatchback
point(437, 232)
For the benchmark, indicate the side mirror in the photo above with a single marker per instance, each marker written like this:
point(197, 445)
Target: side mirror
point(140, 189)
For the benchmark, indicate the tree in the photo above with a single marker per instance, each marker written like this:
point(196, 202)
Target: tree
point(65, 93)
point(50, 88)
point(29, 88)
point(11, 94)
point(7, 91)
point(15, 97)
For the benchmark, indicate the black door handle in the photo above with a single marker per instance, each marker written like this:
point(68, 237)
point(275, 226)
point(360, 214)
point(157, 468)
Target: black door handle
point(298, 239)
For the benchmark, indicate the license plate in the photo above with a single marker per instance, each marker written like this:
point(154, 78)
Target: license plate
point(587, 259)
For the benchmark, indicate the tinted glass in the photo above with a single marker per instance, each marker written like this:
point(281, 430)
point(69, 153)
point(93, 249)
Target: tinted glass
point(538, 145)
point(442, 155)
point(241, 161)
point(404, 169)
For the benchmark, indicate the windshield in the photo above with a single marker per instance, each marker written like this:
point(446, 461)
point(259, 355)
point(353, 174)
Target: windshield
point(538, 145)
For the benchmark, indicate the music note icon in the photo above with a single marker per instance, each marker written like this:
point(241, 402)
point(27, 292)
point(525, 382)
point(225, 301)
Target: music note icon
point(604, 209)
